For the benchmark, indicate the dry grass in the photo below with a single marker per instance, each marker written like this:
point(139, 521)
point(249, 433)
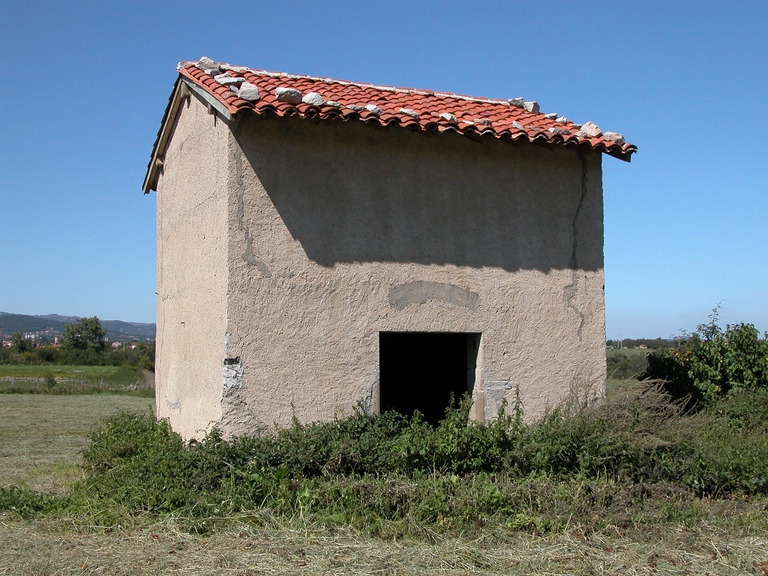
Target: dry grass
point(54, 548)
point(41, 436)
point(40, 440)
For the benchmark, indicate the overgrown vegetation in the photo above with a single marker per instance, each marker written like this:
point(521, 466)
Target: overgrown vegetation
point(143, 355)
point(621, 462)
point(712, 363)
point(686, 452)
point(82, 344)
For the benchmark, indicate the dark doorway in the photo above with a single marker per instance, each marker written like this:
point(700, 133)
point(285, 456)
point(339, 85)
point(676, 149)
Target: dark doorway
point(421, 370)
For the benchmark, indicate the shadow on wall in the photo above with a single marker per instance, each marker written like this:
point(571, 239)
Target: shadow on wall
point(350, 193)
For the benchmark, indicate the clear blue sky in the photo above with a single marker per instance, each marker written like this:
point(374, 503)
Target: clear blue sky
point(84, 86)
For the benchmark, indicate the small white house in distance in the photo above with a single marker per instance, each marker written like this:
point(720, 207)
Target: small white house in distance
point(325, 244)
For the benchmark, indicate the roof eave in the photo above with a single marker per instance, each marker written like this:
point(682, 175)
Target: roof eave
point(181, 90)
point(163, 135)
point(187, 83)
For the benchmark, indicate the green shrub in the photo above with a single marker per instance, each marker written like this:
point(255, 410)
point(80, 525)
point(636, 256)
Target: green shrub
point(24, 502)
point(143, 466)
point(639, 435)
point(385, 473)
point(141, 356)
point(47, 354)
point(50, 381)
point(724, 448)
point(713, 363)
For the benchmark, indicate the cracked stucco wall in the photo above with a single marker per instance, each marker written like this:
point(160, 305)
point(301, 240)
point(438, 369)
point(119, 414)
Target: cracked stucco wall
point(192, 201)
point(338, 232)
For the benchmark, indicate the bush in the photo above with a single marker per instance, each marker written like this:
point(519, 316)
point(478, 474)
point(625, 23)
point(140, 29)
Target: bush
point(387, 472)
point(626, 437)
point(713, 363)
point(638, 436)
point(47, 354)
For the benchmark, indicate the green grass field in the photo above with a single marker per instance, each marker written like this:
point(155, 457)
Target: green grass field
point(41, 436)
point(56, 379)
point(626, 363)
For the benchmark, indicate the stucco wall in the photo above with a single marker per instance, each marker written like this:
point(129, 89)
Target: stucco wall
point(192, 243)
point(338, 232)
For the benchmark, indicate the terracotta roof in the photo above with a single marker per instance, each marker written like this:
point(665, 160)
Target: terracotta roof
point(235, 89)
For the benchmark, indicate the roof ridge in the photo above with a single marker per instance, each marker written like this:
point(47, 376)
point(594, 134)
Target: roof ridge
point(329, 80)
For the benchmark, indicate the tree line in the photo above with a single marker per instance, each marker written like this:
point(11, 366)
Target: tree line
point(650, 343)
point(83, 343)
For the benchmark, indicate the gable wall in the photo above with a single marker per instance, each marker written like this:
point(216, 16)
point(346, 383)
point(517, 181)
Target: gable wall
point(192, 270)
point(338, 232)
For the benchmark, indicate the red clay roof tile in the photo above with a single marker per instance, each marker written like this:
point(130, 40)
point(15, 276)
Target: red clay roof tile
point(427, 110)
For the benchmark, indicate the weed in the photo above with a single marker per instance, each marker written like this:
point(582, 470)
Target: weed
point(24, 502)
point(50, 381)
point(634, 458)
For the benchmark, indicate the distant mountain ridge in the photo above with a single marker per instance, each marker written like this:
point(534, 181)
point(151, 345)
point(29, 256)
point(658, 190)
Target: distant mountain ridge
point(51, 325)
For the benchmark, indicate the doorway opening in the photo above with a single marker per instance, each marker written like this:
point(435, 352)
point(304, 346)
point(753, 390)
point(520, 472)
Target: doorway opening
point(421, 370)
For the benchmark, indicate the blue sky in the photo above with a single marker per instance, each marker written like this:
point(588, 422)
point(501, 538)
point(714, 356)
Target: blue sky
point(84, 86)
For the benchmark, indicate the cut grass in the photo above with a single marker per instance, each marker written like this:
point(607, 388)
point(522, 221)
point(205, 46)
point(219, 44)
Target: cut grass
point(64, 379)
point(41, 436)
point(270, 547)
point(607, 531)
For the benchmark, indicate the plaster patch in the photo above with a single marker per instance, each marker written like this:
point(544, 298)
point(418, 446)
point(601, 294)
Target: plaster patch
point(173, 405)
point(232, 375)
point(369, 400)
point(240, 193)
point(421, 291)
point(495, 393)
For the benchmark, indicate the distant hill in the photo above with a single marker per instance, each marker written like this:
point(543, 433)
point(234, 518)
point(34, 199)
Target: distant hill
point(59, 318)
point(122, 329)
point(51, 325)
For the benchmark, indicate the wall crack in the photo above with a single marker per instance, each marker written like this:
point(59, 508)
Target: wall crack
point(570, 290)
point(248, 257)
point(240, 188)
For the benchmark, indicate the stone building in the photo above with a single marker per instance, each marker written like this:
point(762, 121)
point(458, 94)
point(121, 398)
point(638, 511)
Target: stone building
point(324, 244)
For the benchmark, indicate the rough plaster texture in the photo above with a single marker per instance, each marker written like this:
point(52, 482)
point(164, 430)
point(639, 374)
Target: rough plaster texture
point(192, 271)
point(288, 246)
